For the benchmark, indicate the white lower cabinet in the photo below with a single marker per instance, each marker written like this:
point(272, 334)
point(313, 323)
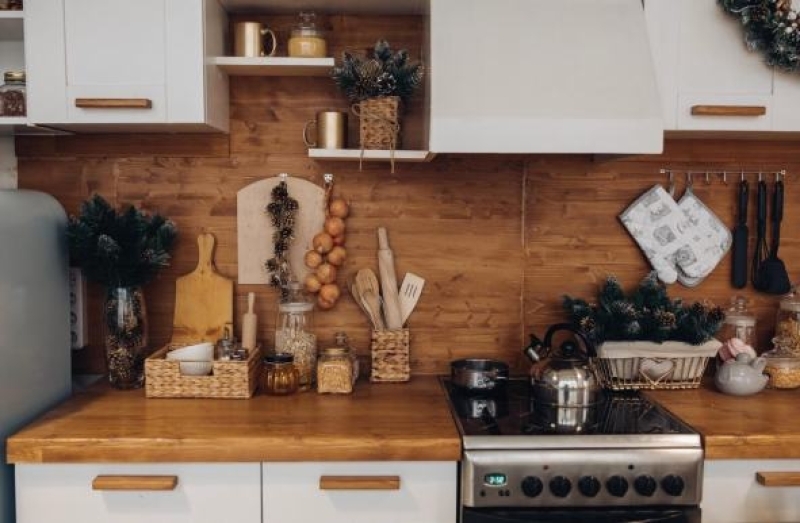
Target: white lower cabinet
point(732, 493)
point(140, 493)
point(360, 492)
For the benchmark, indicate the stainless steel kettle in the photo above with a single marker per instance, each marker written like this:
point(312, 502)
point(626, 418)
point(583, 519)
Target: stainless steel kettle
point(563, 377)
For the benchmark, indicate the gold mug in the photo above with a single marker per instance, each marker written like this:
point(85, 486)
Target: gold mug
point(250, 40)
point(331, 130)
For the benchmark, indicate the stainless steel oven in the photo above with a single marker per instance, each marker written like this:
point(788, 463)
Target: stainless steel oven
point(625, 461)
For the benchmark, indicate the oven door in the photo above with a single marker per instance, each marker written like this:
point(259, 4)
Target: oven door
point(582, 515)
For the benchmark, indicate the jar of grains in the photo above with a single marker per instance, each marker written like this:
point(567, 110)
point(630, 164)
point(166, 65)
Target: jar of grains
point(787, 324)
point(12, 94)
point(293, 333)
point(335, 372)
point(280, 376)
point(307, 40)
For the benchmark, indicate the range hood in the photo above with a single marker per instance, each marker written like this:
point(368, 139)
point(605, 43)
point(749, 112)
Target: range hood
point(542, 76)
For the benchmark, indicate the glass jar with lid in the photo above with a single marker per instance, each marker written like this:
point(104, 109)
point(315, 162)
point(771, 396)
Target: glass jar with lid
point(13, 94)
point(307, 40)
point(787, 323)
point(280, 376)
point(294, 333)
point(739, 323)
point(335, 371)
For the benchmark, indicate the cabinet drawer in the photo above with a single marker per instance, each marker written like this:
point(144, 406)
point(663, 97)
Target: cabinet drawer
point(731, 493)
point(362, 492)
point(734, 105)
point(202, 493)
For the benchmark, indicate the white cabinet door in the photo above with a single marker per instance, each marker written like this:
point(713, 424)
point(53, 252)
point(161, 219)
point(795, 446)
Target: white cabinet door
point(786, 101)
point(716, 69)
point(344, 492)
point(205, 493)
point(111, 65)
point(731, 493)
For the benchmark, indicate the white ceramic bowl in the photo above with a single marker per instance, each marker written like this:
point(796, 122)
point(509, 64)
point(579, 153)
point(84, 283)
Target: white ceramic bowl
point(196, 368)
point(201, 352)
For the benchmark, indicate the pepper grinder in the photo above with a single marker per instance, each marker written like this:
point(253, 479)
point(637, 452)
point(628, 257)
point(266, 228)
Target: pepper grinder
point(249, 322)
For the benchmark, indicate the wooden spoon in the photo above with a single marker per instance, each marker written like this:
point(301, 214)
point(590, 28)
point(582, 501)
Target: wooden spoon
point(368, 288)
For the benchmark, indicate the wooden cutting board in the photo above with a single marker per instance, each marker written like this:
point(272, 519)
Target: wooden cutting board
point(203, 299)
point(254, 227)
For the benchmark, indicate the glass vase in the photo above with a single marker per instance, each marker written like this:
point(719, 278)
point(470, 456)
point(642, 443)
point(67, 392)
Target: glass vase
point(125, 336)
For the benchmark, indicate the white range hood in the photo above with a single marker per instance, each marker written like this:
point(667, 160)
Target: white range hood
point(542, 76)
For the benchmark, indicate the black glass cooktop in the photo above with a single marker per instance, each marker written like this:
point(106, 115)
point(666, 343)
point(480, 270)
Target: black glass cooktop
point(511, 411)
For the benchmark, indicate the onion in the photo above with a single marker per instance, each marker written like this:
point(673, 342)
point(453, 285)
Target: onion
point(312, 283)
point(330, 292)
point(339, 208)
point(324, 304)
point(337, 255)
point(322, 242)
point(338, 240)
point(326, 273)
point(334, 226)
point(312, 259)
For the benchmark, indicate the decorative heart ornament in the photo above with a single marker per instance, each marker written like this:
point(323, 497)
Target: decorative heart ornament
point(655, 369)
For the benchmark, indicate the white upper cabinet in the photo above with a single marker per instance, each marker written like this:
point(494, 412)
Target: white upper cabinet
point(117, 65)
point(708, 78)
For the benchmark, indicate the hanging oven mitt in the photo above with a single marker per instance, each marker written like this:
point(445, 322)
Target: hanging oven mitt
point(657, 223)
point(706, 240)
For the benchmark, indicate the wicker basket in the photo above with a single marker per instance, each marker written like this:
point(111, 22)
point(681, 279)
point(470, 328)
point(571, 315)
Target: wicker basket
point(228, 379)
point(379, 122)
point(391, 360)
point(647, 365)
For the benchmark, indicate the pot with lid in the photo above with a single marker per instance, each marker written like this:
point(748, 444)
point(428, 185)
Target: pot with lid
point(479, 374)
point(563, 377)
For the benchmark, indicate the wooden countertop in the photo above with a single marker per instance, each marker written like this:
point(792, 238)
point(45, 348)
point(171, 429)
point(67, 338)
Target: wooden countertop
point(763, 426)
point(381, 422)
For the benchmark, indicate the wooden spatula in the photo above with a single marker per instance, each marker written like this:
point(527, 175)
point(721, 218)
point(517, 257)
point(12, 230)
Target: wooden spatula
point(410, 291)
point(203, 299)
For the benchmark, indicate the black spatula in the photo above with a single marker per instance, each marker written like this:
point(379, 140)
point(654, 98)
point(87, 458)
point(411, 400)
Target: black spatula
point(740, 233)
point(773, 278)
point(760, 249)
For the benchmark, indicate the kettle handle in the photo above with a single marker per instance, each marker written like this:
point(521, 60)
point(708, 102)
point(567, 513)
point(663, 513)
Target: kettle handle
point(588, 346)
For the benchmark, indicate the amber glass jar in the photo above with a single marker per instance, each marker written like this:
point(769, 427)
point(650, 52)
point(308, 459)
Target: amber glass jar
point(280, 376)
point(13, 94)
point(307, 40)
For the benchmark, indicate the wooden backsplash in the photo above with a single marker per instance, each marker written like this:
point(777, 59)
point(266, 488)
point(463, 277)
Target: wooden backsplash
point(499, 239)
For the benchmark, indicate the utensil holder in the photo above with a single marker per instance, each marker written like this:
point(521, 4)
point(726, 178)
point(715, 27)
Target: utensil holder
point(391, 359)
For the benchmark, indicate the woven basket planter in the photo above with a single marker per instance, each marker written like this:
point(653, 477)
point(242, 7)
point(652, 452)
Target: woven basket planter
point(379, 126)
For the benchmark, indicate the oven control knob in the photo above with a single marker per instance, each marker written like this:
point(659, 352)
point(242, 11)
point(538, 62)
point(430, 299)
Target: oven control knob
point(589, 486)
point(560, 486)
point(673, 485)
point(617, 486)
point(645, 485)
point(532, 486)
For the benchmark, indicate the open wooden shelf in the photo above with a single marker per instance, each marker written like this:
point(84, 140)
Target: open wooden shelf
point(274, 66)
point(371, 155)
point(11, 25)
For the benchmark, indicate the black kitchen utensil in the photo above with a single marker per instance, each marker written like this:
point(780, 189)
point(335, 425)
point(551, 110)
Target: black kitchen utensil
point(760, 251)
point(772, 276)
point(740, 234)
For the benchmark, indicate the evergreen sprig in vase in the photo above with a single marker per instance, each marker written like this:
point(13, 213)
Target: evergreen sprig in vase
point(122, 252)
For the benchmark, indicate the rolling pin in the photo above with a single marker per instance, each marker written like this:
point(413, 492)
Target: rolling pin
point(249, 322)
point(391, 300)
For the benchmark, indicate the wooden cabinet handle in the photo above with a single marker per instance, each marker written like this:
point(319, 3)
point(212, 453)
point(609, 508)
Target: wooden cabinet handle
point(135, 483)
point(778, 479)
point(359, 483)
point(729, 110)
point(113, 103)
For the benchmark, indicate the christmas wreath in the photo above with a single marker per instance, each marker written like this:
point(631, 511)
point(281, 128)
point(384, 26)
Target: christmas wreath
point(771, 26)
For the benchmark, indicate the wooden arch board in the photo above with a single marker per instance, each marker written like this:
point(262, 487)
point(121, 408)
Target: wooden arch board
point(254, 226)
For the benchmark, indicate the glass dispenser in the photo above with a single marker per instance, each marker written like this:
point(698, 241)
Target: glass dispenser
point(294, 333)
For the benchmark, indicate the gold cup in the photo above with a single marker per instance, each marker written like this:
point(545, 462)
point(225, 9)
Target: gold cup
point(331, 130)
point(250, 39)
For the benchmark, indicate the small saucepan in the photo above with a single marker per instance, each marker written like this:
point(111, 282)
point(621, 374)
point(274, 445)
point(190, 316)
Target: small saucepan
point(479, 375)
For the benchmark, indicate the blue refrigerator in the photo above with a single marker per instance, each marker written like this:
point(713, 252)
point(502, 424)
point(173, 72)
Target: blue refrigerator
point(35, 369)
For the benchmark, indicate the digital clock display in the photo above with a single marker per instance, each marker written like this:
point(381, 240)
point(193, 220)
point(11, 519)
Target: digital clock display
point(495, 479)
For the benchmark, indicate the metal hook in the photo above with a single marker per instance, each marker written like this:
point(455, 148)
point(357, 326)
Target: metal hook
point(708, 181)
point(783, 175)
point(760, 176)
point(741, 179)
point(725, 177)
point(689, 180)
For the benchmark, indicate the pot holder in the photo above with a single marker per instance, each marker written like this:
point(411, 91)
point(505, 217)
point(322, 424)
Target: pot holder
point(657, 224)
point(706, 240)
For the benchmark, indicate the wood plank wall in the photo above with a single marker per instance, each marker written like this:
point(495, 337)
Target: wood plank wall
point(499, 239)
